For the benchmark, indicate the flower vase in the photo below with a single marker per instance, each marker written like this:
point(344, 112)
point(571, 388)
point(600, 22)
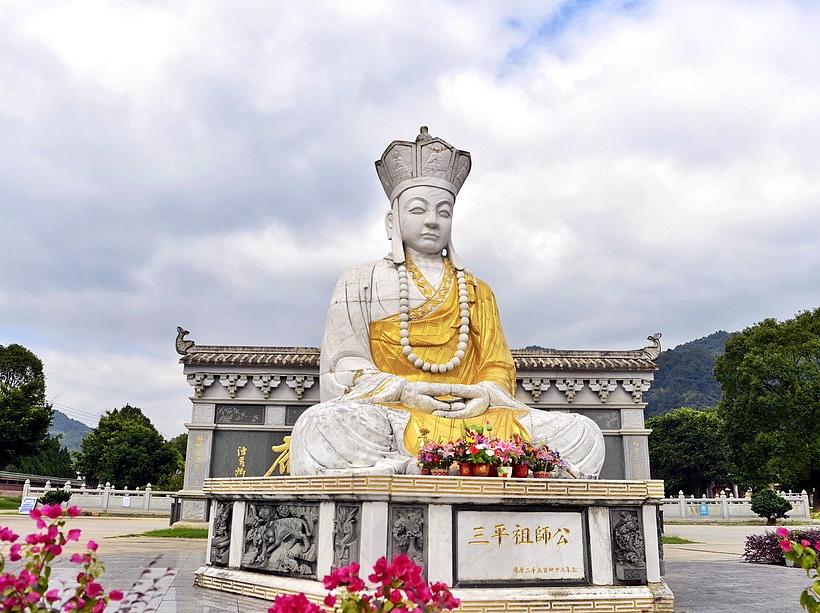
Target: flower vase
point(505, 471)
point(465, 469)
point(439, 471)
point(541, 474)
point(425, 471)
point(521, 471)
point(481, 470)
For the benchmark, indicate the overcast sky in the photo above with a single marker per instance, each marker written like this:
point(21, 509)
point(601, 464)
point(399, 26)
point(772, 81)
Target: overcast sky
point(637, 167)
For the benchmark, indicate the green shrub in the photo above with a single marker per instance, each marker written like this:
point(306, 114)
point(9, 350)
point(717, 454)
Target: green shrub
point(769, 505)
point(54, 497)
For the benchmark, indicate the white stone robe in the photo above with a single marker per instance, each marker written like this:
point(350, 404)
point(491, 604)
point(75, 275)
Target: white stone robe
point(350, 431)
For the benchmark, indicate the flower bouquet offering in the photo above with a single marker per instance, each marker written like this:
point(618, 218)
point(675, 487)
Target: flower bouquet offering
point(435, 458)
point(543, 461)
point(509, 455)
point(480, 450)
point(397, 586)
point(806, 555)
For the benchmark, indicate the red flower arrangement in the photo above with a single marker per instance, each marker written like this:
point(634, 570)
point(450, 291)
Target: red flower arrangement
point(398, 587)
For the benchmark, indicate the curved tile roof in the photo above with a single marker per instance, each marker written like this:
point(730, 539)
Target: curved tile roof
point(525, 359)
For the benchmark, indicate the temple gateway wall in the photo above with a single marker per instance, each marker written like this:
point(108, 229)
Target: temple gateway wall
point(245, 400)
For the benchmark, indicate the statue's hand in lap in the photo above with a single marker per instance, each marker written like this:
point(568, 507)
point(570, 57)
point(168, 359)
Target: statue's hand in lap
point(475, 400)
point(421, 395)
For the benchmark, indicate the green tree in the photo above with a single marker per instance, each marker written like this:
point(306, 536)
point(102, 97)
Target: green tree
point(770, 375)
point(180, 443)
point(24, 414)
point(50, 460)
point(126, 449)
point(688, 450)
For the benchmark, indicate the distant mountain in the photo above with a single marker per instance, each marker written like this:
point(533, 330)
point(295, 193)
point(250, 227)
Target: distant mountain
point(73, 431)
point(684, 377)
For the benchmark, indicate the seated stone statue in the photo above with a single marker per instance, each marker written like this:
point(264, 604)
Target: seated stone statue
point(413, 345)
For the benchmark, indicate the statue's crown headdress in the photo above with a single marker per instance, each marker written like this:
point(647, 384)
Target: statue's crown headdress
point(428, 161)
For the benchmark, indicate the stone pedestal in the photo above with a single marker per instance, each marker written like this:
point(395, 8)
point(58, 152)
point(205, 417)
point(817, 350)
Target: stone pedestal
point(521, 545)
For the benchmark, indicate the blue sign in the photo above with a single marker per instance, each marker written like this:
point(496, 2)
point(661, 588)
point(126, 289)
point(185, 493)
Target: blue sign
point(704, 510)
point(28, 503)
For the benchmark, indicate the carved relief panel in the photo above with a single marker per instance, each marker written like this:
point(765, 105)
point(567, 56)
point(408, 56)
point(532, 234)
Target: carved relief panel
point(346, 531)
point(628, 552)
point(281, 538)
point(407, 534)
point(221, 537)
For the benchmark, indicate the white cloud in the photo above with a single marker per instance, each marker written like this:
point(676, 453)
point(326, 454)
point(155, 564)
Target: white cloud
point(642, 169)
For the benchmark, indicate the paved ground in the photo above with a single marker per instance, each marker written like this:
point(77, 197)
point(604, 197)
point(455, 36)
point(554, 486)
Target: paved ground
point(705, 577)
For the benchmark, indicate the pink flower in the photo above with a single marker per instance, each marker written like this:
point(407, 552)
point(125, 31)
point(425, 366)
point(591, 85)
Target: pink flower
point(817, 545)
point(32, 597)
point(786, 545)
point(7, 535)
point(73, 511)
point(99, 607)
point(35, 514)
point(805, 543)
point(115, 595)
point(52, 511)
point(93, 589)
point(330, 600)
point(395, 597)
point(73, 534)
point(14, 552)
point(293, 604)
point(52, 595)
point(782, 532)
point(92, 545)
point(76, 558)
point(54, 550)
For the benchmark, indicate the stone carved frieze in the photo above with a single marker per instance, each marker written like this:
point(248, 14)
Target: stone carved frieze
point(407, 532)
point(346, 530)
point(200, 381)
point(232, 383)
point(221, 535)
point(535, 386)
point(239, 414)
point(300, 383)
point(636, 387)
point(570, 387)
point(281, 538)
point(603, 387)
point(628, 552)
point(266, 383)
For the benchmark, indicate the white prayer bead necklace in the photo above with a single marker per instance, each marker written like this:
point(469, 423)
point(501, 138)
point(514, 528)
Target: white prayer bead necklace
point(404, 324)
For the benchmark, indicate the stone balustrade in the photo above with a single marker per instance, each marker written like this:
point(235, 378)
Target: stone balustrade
point(109, 499)
point(729, 508)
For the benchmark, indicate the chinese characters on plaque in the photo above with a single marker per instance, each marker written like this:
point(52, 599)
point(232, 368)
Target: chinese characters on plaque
point(525, 546)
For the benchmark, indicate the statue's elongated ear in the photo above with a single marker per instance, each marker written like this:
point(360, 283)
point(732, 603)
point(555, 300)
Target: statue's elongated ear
point(393, 224)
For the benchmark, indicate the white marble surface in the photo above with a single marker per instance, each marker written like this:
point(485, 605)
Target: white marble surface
point(237, 534)
point(509, 546)
point(440, 543)
point(600, 545)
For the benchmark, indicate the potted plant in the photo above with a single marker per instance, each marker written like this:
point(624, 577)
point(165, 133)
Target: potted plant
point(509, 454)
point(461, 455)
point(480, 451)
point(543, 462)
point(435, 458)
point(521, 464)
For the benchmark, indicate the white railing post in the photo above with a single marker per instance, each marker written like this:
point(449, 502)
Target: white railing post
point(804, 500)
point(26, 487)
point(48, 485)
point(106, 495)
point(724, 505)
point(146, 504)
point(682, 504)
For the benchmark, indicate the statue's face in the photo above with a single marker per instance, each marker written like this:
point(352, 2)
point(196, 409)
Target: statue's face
point(426, 218)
